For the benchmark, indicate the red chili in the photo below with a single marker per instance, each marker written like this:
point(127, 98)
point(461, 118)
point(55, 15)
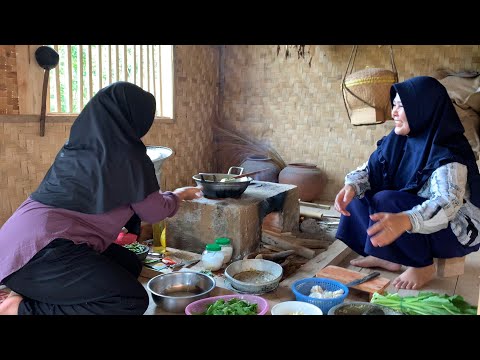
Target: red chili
point(168, 261)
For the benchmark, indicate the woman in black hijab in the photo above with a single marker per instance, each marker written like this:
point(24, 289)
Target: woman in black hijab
point(418, 196)
point(58, 255)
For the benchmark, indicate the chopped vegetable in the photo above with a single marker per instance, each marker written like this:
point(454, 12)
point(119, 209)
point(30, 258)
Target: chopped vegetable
point(151, 261)
point(231, 307)
point(206, 272)
point(168, 261)
point(136, 247)
point(426, 303)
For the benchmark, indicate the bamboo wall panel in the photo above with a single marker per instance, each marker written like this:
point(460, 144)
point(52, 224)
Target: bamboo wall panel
point(25, 157)
point(299, 109)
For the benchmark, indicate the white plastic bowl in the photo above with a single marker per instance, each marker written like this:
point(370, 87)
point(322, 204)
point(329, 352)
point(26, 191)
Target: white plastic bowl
point(295, 308)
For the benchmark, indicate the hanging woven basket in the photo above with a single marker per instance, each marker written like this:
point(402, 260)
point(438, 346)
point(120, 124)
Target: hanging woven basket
point(366, 94)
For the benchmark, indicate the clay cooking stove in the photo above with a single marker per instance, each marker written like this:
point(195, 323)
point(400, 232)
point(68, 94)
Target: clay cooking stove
point(200, 221)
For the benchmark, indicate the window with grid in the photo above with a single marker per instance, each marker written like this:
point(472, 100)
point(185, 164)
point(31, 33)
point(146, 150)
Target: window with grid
point(84, 69)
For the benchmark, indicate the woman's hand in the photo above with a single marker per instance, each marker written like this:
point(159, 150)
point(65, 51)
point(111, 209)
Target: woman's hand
point(388, 228)
point(188, 192)
point(343, 198)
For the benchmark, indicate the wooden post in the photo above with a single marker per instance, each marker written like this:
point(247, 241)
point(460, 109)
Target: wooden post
point(29, 80)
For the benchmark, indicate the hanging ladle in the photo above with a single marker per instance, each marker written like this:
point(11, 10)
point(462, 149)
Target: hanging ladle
point(47, 58)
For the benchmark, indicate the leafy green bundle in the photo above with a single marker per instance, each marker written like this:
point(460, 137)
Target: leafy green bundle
point(426, 303)
point(231, 307)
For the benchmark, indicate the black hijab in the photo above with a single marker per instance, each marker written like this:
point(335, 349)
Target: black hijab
point(436, 138)
point(104, 164)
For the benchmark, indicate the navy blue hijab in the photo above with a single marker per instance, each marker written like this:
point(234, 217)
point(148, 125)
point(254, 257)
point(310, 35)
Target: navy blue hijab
point(104, 164)
point(436, 138)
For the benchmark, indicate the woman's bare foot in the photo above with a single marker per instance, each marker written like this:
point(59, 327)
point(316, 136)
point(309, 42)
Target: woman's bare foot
point(414, 278)
point(371, 261)
point(10, 305)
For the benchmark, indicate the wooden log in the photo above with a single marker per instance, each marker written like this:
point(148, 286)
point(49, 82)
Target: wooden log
point(275, 256)
point(271, 247)
point(311, 212)
point(287, 245)
point(308, 243)
point(252, 255)
point(319, 206)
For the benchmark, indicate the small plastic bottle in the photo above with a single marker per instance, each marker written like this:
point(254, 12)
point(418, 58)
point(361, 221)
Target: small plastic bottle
point(212, 257)
point(226, 247)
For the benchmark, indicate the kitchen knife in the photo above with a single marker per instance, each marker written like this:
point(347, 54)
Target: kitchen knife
point(362, 280)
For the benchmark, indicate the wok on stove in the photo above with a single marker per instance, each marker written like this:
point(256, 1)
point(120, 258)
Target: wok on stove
point(218, 186)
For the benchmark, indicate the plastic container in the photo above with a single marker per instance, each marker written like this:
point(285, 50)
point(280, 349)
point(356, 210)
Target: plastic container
point(226, 248)
point(212, 257)
point(301, 290)
point(296, 308)
point(199, 306)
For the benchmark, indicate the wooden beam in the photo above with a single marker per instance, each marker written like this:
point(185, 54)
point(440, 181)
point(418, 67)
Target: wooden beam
point(29, 80)
point(68, 88)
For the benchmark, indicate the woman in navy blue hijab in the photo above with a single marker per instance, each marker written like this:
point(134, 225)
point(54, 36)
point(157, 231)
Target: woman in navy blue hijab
point(418, 196)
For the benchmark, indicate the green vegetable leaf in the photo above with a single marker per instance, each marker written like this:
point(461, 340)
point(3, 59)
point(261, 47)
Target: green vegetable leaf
point(425, 303)
point(231, 307)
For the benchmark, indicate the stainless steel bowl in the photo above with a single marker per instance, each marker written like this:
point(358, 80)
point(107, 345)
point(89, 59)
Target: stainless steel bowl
point(260, 276)
point(174, 291)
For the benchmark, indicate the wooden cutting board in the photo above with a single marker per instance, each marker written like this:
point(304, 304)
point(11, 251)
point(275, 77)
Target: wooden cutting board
point(378, 284)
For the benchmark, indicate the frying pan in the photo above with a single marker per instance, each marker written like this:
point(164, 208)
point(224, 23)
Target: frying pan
point(47, 58)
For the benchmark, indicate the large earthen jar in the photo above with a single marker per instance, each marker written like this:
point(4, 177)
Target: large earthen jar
point(309, 179)
point(254, 163)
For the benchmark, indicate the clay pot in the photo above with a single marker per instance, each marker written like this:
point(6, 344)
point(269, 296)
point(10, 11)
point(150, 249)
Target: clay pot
point(254, 162)
point(309, 179)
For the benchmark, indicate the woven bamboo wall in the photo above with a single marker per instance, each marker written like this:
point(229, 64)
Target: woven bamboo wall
point(25, 156)
point(299, 109)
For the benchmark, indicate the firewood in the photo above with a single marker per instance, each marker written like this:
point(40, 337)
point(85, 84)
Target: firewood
point(308, 243)
point(287, 245)
point(271, 247)
point(275, 256)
